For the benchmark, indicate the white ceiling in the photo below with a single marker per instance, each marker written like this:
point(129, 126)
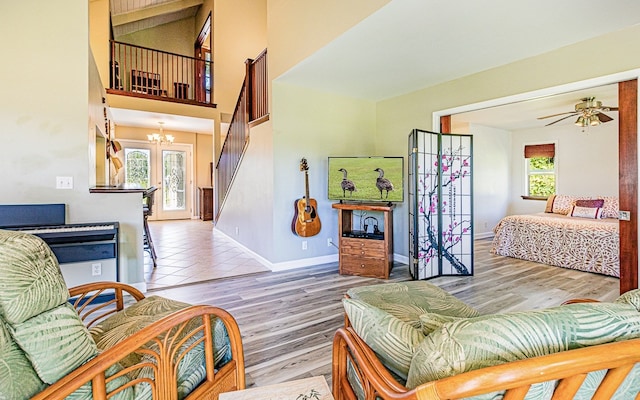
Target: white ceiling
point(145, 119)
point(525, 114)
point(411, 44)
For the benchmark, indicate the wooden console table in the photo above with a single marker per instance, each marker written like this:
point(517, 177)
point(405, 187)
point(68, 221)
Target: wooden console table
point(364, 253)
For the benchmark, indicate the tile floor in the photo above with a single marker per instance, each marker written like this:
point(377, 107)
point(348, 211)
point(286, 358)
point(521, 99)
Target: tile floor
point(191, 251)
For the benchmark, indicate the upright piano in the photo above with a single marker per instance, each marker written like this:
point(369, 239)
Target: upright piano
point(86, 252)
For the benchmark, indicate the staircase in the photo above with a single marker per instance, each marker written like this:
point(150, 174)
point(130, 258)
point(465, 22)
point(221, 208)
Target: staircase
point(251, 109)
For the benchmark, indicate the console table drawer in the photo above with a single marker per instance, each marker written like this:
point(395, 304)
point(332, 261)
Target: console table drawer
point(364, 266)
point(362, 247)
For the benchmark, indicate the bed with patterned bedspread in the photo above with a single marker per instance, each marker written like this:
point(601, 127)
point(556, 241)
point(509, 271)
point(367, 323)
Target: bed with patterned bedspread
point(554, 238)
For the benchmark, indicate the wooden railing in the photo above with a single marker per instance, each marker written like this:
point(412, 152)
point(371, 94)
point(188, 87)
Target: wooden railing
point(143, 72)
point(251, 109)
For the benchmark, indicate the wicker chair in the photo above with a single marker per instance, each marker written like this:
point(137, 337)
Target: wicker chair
point(105, 340)
point(460, 352)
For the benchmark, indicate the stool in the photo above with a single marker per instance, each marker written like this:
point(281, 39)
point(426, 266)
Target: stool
point(147, 211)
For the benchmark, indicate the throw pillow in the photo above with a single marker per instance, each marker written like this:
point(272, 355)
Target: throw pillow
point(55, 341)
point(585, 212)
point(611, 207)
point(549, 207)
point(592, 203)
point(474, 343)
point(30, 276)
point(393, 341)
point(562, 204)
point(18, 379)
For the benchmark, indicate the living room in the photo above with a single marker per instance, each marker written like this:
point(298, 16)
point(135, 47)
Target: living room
point(50, 134)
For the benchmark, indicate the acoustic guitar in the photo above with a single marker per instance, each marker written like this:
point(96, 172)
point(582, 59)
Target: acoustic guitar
point(305, 221)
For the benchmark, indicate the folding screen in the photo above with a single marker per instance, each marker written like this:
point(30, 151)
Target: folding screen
point(440, 204)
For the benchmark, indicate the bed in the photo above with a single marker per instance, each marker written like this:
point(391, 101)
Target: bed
point(555, 238)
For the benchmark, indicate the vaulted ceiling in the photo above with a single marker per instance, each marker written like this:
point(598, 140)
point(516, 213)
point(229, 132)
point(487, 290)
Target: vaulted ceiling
point(129, 16)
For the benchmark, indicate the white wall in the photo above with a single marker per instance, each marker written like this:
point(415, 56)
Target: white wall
point(47, 120)
point(586, 162)
point(492, 161)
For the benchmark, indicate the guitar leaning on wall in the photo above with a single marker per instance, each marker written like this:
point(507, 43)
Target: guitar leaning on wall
point(305, 221)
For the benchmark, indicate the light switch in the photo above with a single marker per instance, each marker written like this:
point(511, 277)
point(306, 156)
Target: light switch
point(64, 182)
point(624, 215)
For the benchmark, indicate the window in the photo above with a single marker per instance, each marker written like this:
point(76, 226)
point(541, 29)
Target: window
point(540, 169)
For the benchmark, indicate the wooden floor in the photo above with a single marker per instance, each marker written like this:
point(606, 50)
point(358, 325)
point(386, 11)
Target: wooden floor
point(287, 319)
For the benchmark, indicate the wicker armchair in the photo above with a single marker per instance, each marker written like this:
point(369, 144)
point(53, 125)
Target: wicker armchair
point(105, 340)
point(405, 341)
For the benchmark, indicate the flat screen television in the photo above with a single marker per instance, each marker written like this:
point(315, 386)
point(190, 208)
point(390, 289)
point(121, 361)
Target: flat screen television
point(366, 179)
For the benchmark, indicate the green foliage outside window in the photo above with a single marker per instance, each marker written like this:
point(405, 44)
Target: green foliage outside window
point(137, 168)
point(542, 178)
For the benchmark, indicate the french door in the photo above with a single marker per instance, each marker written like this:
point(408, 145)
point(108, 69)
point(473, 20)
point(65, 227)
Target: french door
point(166, 166)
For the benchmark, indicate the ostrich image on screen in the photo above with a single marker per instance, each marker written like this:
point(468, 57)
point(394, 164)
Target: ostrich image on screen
point(367, 179)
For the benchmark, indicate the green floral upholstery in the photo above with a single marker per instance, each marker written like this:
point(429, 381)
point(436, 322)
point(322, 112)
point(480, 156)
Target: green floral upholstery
point(14, 363)
point(408, 300)
point(42, 337)
point(55, 341)
point(394, 341)
point(124, 323)
point(432, 321)
point(33, 302)
point(30, 278)
point(474, 343)
point(632, 297)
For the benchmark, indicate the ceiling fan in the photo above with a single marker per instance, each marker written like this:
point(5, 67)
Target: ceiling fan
point(590, 112)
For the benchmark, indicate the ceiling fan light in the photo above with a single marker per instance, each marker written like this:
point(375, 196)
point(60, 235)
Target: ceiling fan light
point(581, 121)
point(594, 120)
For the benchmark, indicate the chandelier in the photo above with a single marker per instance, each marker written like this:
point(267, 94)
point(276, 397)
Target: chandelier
point(160, 138)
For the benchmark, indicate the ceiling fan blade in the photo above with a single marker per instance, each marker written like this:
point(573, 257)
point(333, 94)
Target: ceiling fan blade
point(610, 108)
point(604, 117)
point(556, 115)
point(561, 119)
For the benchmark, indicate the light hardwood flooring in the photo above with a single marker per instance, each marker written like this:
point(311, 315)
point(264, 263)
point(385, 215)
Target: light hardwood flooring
point(288, 318)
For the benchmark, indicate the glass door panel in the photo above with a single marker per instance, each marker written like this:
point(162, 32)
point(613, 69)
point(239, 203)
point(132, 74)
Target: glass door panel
point(176, 187)
point(168, 167)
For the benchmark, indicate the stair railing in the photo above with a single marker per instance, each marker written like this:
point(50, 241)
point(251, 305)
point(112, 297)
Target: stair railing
point(252, 108)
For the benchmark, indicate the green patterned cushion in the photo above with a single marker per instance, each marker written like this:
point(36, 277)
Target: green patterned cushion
point(408, 300)
point(125, 323)
point(30, 278)
point(632, 297)
point(191, 370)
point(85, 392)
point(432, 321)
point(55, 341)
point(18, 379)
point(474, 343)
point(393, 340)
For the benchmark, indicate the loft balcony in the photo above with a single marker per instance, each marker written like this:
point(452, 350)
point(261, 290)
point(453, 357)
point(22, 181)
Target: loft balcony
point(142, 72)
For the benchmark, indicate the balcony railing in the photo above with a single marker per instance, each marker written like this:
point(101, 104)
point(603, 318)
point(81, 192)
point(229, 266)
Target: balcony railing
point(251, 109)
point(142, 72)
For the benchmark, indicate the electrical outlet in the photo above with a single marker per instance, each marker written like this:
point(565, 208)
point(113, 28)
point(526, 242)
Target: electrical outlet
point(304, 245)
point(237, 231)
point(624, 215)
point(329, 242)
point(96, 269)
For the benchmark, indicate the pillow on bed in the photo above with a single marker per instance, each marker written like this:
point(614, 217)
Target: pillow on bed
point(560, 204)
point(549, 207)
point(585, 212)
point(593, 203)
point(611, 207)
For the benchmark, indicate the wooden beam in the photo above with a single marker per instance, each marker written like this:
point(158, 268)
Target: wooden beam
point(153, 11)
point(628, 186)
